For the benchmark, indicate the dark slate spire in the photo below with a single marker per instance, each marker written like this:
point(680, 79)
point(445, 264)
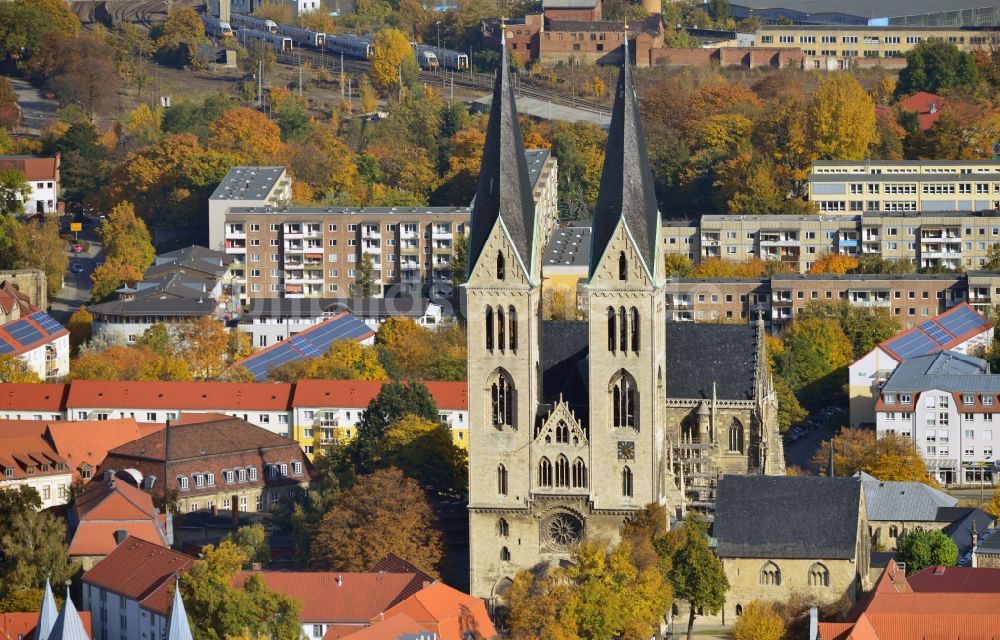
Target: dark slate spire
point(626, 190)
point(504, 190)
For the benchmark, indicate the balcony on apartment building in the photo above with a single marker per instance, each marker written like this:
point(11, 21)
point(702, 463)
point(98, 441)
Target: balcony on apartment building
point(944, 250)
point(868, 297)
point(679, 301)
point(710, 240)
point(682, 316)
point(236, 246)
point(781, 298)
point(409, 247)
point(235, 231)
point(778, 238)
point(981, 296)
point(409, 231)
point(371, 246)
point(294, 291)
point(370, 232)
point(293, 230)
point(441, 232)
point(313, 259)
point(789, 254)
point(941, 233)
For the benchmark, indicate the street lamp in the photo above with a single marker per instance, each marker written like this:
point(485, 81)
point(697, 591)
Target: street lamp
point(438, 23)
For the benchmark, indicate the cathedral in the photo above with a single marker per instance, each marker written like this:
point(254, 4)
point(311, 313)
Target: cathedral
point(575, 426)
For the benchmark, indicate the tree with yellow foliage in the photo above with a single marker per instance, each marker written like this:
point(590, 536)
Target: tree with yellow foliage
point(841, 119)
point(80, 327)
point(248, 134)
point(144, 125)
point(15, 370)
point(993, 508)
point(890, 458)
point(392, 55)
point(759, 622)
point(368, 96)
point(280, 12)
point(836, 263)
point(111, 275)
point(424, 450)
point(126, 238)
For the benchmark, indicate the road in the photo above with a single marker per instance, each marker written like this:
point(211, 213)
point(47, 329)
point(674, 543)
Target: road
point(800, 453)
point(76, 286)
point(36, 112)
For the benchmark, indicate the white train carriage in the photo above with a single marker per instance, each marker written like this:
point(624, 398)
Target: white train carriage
point(449, 59)
point(278, 42)
point(243, 21)
point(425, 57)
point(215, 27)
point(305, 37)
point(349, 46)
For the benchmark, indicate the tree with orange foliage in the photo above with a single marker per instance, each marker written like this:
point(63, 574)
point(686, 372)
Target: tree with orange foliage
point(327, 165)
point(837, 263)
point(248, 134)
point(753, 268)
point(111, 275)
point(889, 458)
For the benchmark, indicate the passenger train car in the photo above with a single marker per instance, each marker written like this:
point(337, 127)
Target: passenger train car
point(241, 21)
point(352, 46)
point(305, 37)
point(249, 37)
point(215, 27)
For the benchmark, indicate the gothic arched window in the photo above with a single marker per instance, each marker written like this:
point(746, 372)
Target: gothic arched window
point(627, 482)
point(501, 266)
point(562, 433)
point(622, 330)
point(893, 531)
point(544, 473)
point(512, 319)
point(579, 474)
point(612, 330)
point(503, 529)
point(624, 401)
point(562, 471)
point(501, 330)
point(635, 330)
point(502, 480)
point(501, 390)
point(819, 575)
point(489, 328)
point(736, 436)
point(504, 554)
point(622, 267)
point(770, 575)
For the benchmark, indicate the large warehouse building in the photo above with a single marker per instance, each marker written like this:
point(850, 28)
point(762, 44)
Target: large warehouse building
point(926, 13)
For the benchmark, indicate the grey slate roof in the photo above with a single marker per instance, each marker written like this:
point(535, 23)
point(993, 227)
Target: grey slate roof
point(191, 259)
point(947, 371)
point(565, 346)
point(247, 183)
point(568, 246)
point(903, 501)
point(315, 307)
point(960, 529)
point(787, 517)
point(504, 190)
point(699, 354)
point(626, 190)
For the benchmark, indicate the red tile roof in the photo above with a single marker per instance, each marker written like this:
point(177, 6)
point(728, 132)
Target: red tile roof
point(87, 442)
point(193, 396)
point(398, 626)
point(48, 397)
point(18, 624)
point(446, 611)
point(358, 393)
point(357, 598)
point(34, 169)
point(11, 298)
point(25, 451)
point(105, 507)
point(141, 571)
point(200, 439)
point(956, 580)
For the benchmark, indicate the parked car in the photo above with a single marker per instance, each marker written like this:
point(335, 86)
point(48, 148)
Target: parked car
point(48, 95)
point(78, 268)
point(77, 247)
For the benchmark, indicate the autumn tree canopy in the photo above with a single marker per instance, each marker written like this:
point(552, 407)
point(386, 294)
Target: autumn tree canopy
point(890, 458)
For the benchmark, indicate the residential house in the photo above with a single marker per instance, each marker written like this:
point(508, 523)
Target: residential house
point(128, 592)
point(42, 174)
point(108, 511)
point(28, 459)
point(921, 606)
point(437, 609)
point(961, 329)
point(271, 320)
point(779, 536)
point(228, 463)
point(13, 303)
point(38, 341)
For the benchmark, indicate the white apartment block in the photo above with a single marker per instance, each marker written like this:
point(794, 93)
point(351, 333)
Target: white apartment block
point(246, 187)
point(946, 403)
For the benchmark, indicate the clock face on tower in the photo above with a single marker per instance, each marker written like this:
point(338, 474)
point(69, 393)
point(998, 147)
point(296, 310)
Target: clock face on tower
point(626, 450)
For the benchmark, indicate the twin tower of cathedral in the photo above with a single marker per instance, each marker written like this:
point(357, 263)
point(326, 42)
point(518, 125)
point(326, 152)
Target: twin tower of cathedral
point(568, 431)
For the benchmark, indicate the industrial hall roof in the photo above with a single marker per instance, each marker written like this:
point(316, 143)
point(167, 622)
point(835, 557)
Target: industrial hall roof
point(787, 517)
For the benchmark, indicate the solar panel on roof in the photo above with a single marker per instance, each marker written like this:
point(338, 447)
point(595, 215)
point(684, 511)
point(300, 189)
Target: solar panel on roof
point(24, 332)
point(938, 334)
point(961, 321)
point(48, 323)
point(912, 344)
point(4, 347)
point(304, 347)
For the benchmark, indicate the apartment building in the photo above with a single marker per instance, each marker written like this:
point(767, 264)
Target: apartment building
point(317, 252)
point(831, 47)
point(904, 186)
point(946, 403)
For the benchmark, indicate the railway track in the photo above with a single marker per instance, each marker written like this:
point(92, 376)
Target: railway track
point(111, 12)
point(463, 79)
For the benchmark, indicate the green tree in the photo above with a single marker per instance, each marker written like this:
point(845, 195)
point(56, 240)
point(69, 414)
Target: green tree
point(383, 512)
point(865, 327)
point(24, 600)
point(460, 260)
point(759, 622)
point(86, 163)
point(790, 410)
point(182, 33)
point(936, 65)
point(992, 258)
point(816, 352)
point(32, 543)
point(252, 543)
point(393, 401)
point(364, 282)
point(14, 190)
point(39, 246)
point(697, 575)
point(841, 119)
point(126, 238)
point(920, 548)
point(223, 610)
point(424, 450)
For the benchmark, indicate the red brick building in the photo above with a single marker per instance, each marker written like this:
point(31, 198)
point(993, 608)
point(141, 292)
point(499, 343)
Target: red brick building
point(749, 57)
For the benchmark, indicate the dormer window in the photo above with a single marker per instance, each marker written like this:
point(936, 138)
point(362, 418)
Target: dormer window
point(183, 482)
point(8, 472)
point(622, 267)
point(501, 266)
point(987, 401)
point(905, 398)
point(889, 398)
point(968, 399)
point(297, 468)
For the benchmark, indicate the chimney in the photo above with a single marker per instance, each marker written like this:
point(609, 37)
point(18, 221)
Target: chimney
point(255, 566)
point(813, 623)
point(340, 581)
point(120, 535)
point(109, 474)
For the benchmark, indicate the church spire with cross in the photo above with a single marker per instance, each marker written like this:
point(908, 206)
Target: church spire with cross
point(626, 191)
point(503, 192)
